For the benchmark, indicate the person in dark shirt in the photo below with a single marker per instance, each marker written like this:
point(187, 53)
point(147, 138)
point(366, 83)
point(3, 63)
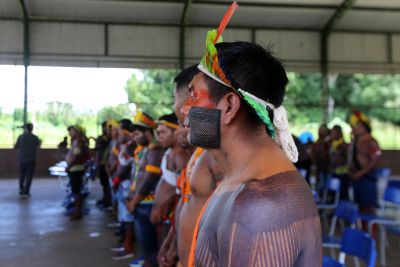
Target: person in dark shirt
point(320, 154)
point(27, 145)
point(338, 160)
point(102, 143)
point(262, 213)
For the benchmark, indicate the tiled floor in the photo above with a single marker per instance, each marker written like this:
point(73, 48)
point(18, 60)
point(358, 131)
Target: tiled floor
point(35, 233)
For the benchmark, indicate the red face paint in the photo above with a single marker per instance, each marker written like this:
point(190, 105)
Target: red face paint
point(199, 96)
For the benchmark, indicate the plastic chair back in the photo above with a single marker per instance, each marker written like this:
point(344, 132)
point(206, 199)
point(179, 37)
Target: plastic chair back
point(348, 211)
point(392, 194)
point(358, 244)
point(332, 184)
point(383, 172)
point(329, 262)
point(393, 183)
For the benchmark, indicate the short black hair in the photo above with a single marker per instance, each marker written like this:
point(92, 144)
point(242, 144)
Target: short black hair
point(253, 69)
point(366, 125)
point(28, 127)
point(141, 128)
point(104, 124)
point(337, 128)
point(185, 76)
point(169, 118)
point(126, 124)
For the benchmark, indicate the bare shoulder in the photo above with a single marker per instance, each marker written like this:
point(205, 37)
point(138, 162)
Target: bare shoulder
point(274, 202)
point(202, 182)
point(216, 169)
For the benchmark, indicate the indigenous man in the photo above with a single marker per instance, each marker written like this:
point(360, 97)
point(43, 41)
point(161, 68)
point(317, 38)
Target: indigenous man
point(197, 182)
point(363, 160)
point(320, 154)
point(144, 186)
point(121, 184)
point(338, 160)
point(263, 212)
point(76, 159)
point(102, 143)
point(174, 161)
point(111, 155)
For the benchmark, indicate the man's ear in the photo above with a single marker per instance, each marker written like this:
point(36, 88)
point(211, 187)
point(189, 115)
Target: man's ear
point(230, 107)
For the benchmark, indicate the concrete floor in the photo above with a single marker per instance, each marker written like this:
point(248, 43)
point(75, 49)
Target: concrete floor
point(35, 233)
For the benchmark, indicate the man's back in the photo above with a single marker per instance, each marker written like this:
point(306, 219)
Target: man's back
point(268, 222)
point(27, 144)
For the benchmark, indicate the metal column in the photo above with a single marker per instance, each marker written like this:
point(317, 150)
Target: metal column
point(325, 33)
point(182, 53)
point(25, 19)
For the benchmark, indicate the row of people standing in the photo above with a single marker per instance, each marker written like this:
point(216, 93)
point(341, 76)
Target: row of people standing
point(355, 164)
point(144, 155)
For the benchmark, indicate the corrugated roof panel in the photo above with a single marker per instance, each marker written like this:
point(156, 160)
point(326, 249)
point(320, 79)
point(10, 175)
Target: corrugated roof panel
point(262, 17)
point(123, 11)
point(370, 21)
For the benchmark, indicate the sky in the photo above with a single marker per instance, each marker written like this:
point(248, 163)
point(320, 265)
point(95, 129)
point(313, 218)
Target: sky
point(87, 89)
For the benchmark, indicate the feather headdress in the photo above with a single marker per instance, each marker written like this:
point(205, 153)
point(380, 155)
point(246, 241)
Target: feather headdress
point(210, 66)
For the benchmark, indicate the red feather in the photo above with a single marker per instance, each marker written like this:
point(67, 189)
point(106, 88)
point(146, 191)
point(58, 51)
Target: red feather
point(225, 19)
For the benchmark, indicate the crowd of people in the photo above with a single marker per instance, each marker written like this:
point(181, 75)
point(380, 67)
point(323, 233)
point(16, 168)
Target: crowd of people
point(355, 164)
point(215, 184)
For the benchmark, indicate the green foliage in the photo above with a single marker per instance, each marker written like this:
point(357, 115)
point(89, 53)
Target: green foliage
point(153, 94)
point(303, 98)
point(117, 113)
point(376, 95)
point(19, 115)
point(58, 113)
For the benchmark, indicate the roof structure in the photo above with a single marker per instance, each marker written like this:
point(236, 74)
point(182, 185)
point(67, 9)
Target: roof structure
point(362, 36)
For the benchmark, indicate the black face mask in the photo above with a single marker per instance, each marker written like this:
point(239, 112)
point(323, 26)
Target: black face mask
point(205, 127)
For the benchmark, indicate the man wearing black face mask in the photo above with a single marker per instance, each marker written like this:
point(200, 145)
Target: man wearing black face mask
point(263, 212)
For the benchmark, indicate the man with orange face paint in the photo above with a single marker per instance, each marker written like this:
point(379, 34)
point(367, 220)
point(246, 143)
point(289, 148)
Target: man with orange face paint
point(199, 179)
point(263, 212)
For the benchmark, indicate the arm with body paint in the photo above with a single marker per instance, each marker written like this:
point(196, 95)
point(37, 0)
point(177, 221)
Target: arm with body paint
point(374, 154)
point(149, 179)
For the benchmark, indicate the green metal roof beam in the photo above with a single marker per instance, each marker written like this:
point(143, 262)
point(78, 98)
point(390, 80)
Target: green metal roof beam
point(339, 13)
point(26, 40)
point(182, 52)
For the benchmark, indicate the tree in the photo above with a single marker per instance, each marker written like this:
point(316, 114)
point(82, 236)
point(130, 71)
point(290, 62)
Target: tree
point(303, 97)
point(118, 112)
point(376, 95)
point(153, 94)
point(59, 113)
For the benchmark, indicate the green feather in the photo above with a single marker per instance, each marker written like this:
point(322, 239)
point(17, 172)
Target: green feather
point(261, 111)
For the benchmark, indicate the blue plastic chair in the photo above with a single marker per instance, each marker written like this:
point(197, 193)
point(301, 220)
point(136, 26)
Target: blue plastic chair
point(391, 197)
point(357, 244)
point(332, 184)
point(329, 262)
point(346, 211)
